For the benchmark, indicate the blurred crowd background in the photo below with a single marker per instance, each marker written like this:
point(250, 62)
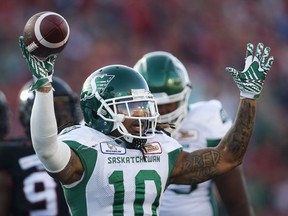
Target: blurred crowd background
point(205, 35)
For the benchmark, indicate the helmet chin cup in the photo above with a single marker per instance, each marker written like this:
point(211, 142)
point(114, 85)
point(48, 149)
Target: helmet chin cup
point(135, 142)
point(128, 139)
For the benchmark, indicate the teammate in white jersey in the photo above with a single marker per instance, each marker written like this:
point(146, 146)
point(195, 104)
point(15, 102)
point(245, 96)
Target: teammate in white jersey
point(118, 164)
point(197, 126)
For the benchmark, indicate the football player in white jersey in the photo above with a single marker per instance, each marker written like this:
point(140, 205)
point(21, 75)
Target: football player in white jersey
point(117, 163)
point(197, 126)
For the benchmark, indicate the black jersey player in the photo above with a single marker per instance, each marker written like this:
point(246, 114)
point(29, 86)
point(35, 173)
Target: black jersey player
point(25, 187)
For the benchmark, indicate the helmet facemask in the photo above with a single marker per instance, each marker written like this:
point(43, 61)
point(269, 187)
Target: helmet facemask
point(177, 116)
point(140, 106)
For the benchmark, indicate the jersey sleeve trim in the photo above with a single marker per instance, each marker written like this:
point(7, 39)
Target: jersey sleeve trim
point(79, 202)
point(172, 158)
point(213, 142)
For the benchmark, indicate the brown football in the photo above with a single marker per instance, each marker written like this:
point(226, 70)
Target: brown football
point(46, 33)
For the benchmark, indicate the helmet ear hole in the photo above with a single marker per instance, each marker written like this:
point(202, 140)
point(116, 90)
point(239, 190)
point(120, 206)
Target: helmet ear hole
point(94, 114)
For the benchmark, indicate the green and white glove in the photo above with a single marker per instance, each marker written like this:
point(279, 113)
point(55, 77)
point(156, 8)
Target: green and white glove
point(42, 70)
point(250, 81)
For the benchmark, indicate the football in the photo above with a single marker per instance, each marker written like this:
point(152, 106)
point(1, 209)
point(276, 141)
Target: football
point(46, 33)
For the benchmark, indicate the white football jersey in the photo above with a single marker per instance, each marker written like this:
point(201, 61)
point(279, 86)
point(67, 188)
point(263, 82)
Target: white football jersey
point(205, 124)
point(117, 180)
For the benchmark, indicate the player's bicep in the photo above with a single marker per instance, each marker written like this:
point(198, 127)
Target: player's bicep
point(72, 172)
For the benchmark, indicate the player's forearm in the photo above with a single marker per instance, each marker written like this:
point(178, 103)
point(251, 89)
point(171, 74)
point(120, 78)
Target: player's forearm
point(43, 122)
point(236, 140)
point(235, 205)
point(52, 153)
point(203, 164)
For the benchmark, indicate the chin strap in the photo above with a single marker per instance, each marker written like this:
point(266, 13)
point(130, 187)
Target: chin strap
point(139, 144)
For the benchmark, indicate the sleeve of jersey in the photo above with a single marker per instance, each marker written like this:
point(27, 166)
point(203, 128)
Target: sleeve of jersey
point(53, 153)
point(173, 149)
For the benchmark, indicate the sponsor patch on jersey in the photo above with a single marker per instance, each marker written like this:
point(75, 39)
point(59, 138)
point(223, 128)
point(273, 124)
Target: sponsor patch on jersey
point(153, 148)
point(108, 148)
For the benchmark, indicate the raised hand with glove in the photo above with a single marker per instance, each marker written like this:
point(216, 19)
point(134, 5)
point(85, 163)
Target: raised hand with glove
point(42, 70)
point(250, 81)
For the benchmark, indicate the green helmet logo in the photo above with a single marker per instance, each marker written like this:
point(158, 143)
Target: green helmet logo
point(98, 83)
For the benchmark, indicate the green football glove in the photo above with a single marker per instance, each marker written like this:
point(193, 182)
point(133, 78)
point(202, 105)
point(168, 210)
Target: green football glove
point(42, 70)
point(250, 81)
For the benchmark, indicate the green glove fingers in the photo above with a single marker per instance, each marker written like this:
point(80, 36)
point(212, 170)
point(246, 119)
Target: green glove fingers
point(24, 51)
point(232, 71)
point(41, 70)
point(265, 55)
point(250, 81)
point(49, 64)
point(259, 51)
point(249, 51)
point(268, 65)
